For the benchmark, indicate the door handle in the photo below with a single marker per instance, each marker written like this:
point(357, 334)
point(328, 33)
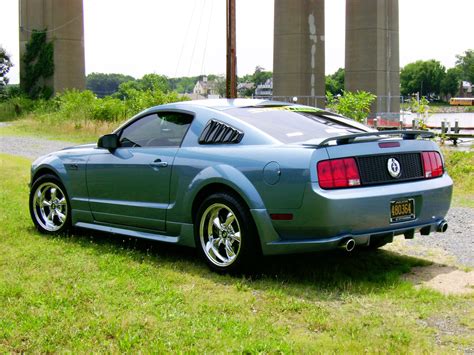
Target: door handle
point(159, 164)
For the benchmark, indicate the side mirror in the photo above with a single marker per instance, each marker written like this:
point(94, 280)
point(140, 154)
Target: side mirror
point(108, 141)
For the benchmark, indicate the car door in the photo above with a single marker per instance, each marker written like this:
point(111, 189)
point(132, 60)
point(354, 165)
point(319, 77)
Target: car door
point(129, 186)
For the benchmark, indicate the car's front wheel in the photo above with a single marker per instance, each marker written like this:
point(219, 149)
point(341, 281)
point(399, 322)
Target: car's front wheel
point(49, 205)
point(225, 234)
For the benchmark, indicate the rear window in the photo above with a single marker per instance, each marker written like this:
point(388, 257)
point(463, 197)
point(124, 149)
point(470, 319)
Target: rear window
point(293, 124)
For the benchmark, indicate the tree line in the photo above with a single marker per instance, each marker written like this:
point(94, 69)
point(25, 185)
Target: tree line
point(428, 78)
point(110, 84)
point(431, 79)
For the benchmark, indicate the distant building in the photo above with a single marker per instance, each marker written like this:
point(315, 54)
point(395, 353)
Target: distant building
point(245, 89)
point(205, 88)
point(465, 89)
point(265, 90)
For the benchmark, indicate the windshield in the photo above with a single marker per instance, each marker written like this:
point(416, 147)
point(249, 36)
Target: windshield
point(293, 124)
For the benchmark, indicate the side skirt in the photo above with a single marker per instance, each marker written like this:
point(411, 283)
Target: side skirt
point(128, 232)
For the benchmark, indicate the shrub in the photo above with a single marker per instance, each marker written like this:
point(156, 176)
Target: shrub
point(7, 111)
point(77, 104)
point(21, 105)
point(138, 100)
point(109, 109)
point(353, 105)
point(84, 105)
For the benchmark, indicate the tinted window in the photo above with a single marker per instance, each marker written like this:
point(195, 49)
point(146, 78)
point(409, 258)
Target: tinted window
point(292, 126)
point(163, 129)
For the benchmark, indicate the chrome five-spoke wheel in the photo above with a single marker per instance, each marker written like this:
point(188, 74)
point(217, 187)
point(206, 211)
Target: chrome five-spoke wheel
point(226, 235)
point(49, 205)
point(220, 234)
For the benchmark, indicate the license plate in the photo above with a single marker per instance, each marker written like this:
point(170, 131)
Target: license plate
point(402, 210)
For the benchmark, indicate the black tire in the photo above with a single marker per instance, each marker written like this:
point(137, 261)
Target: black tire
point(49, 204)
point(235, 230)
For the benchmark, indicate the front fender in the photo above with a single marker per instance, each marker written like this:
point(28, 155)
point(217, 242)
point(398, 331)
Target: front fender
point(53, 164)
point(71, 170)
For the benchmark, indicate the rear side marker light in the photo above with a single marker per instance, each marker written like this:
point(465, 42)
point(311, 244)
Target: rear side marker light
point(432, 164)
point(338, 173)
point(281, 216)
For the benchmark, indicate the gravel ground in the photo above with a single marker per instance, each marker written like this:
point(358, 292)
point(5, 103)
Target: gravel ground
point(30, 147)
point(457, 241)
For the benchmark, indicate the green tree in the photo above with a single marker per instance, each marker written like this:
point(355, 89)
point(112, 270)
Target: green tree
point(247, 78)
point(105, 84)
point(260, 75)
point(154, 82)
point(38, 63)
point(466, 65)
point(353, 105)
point(5, 65)
point(150, 90)
point(220, 85)
point(421, 76)
point(183, 85)
point(148, 83)
point(335, 82)
point(450, 83)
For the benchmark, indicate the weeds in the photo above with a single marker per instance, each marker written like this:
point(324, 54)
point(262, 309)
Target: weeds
point(460, 166)
point(78, 116)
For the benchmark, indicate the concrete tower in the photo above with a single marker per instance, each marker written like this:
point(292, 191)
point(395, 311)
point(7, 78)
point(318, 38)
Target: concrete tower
point(65, 25)
point(298, 54)
point(372, 51)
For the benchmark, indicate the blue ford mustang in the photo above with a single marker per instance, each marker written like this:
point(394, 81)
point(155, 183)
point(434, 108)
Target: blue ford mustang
point(238, 178)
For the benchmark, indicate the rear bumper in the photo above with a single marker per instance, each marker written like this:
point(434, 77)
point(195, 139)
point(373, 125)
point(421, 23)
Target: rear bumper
point(327, 218)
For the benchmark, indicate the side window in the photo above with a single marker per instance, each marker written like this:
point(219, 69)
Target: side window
point(163, 129)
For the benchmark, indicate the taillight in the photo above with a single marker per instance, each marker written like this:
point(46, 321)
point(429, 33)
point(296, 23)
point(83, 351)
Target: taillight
point(432, 164)
point(337, 173)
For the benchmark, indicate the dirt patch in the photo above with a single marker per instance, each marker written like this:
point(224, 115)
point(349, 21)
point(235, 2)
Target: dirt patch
point(449, 330)
point(446, 279)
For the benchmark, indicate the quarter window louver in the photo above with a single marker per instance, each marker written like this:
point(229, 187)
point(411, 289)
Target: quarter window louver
point(217, 132)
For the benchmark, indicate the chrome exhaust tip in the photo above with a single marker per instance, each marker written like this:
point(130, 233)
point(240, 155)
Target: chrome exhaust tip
point(442, 226)
point(348, 245)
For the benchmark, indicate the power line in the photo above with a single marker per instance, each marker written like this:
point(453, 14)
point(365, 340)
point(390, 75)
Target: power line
point(54, 29)
point(196, 38)
point(207, 38)
point(185, 39)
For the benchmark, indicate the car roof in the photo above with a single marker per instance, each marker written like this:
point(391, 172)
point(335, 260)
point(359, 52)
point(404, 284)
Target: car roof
point(228, 104)
point(225, 104)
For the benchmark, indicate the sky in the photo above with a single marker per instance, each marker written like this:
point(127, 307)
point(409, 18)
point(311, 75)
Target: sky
point(187, 37)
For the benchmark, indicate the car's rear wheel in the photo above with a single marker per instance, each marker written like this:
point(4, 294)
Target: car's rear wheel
point(49, 205)
point(225, 234)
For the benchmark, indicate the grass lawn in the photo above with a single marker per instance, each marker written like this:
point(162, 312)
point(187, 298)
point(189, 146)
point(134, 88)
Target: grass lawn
point(104, 293)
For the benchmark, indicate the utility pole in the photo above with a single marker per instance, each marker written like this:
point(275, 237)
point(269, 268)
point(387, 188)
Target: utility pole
point(231, 74)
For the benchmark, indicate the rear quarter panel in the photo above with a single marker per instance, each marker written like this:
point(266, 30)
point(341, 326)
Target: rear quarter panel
point(241, 168)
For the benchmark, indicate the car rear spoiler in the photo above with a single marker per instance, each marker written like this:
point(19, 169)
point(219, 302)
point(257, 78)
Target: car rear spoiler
point(350, 138)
